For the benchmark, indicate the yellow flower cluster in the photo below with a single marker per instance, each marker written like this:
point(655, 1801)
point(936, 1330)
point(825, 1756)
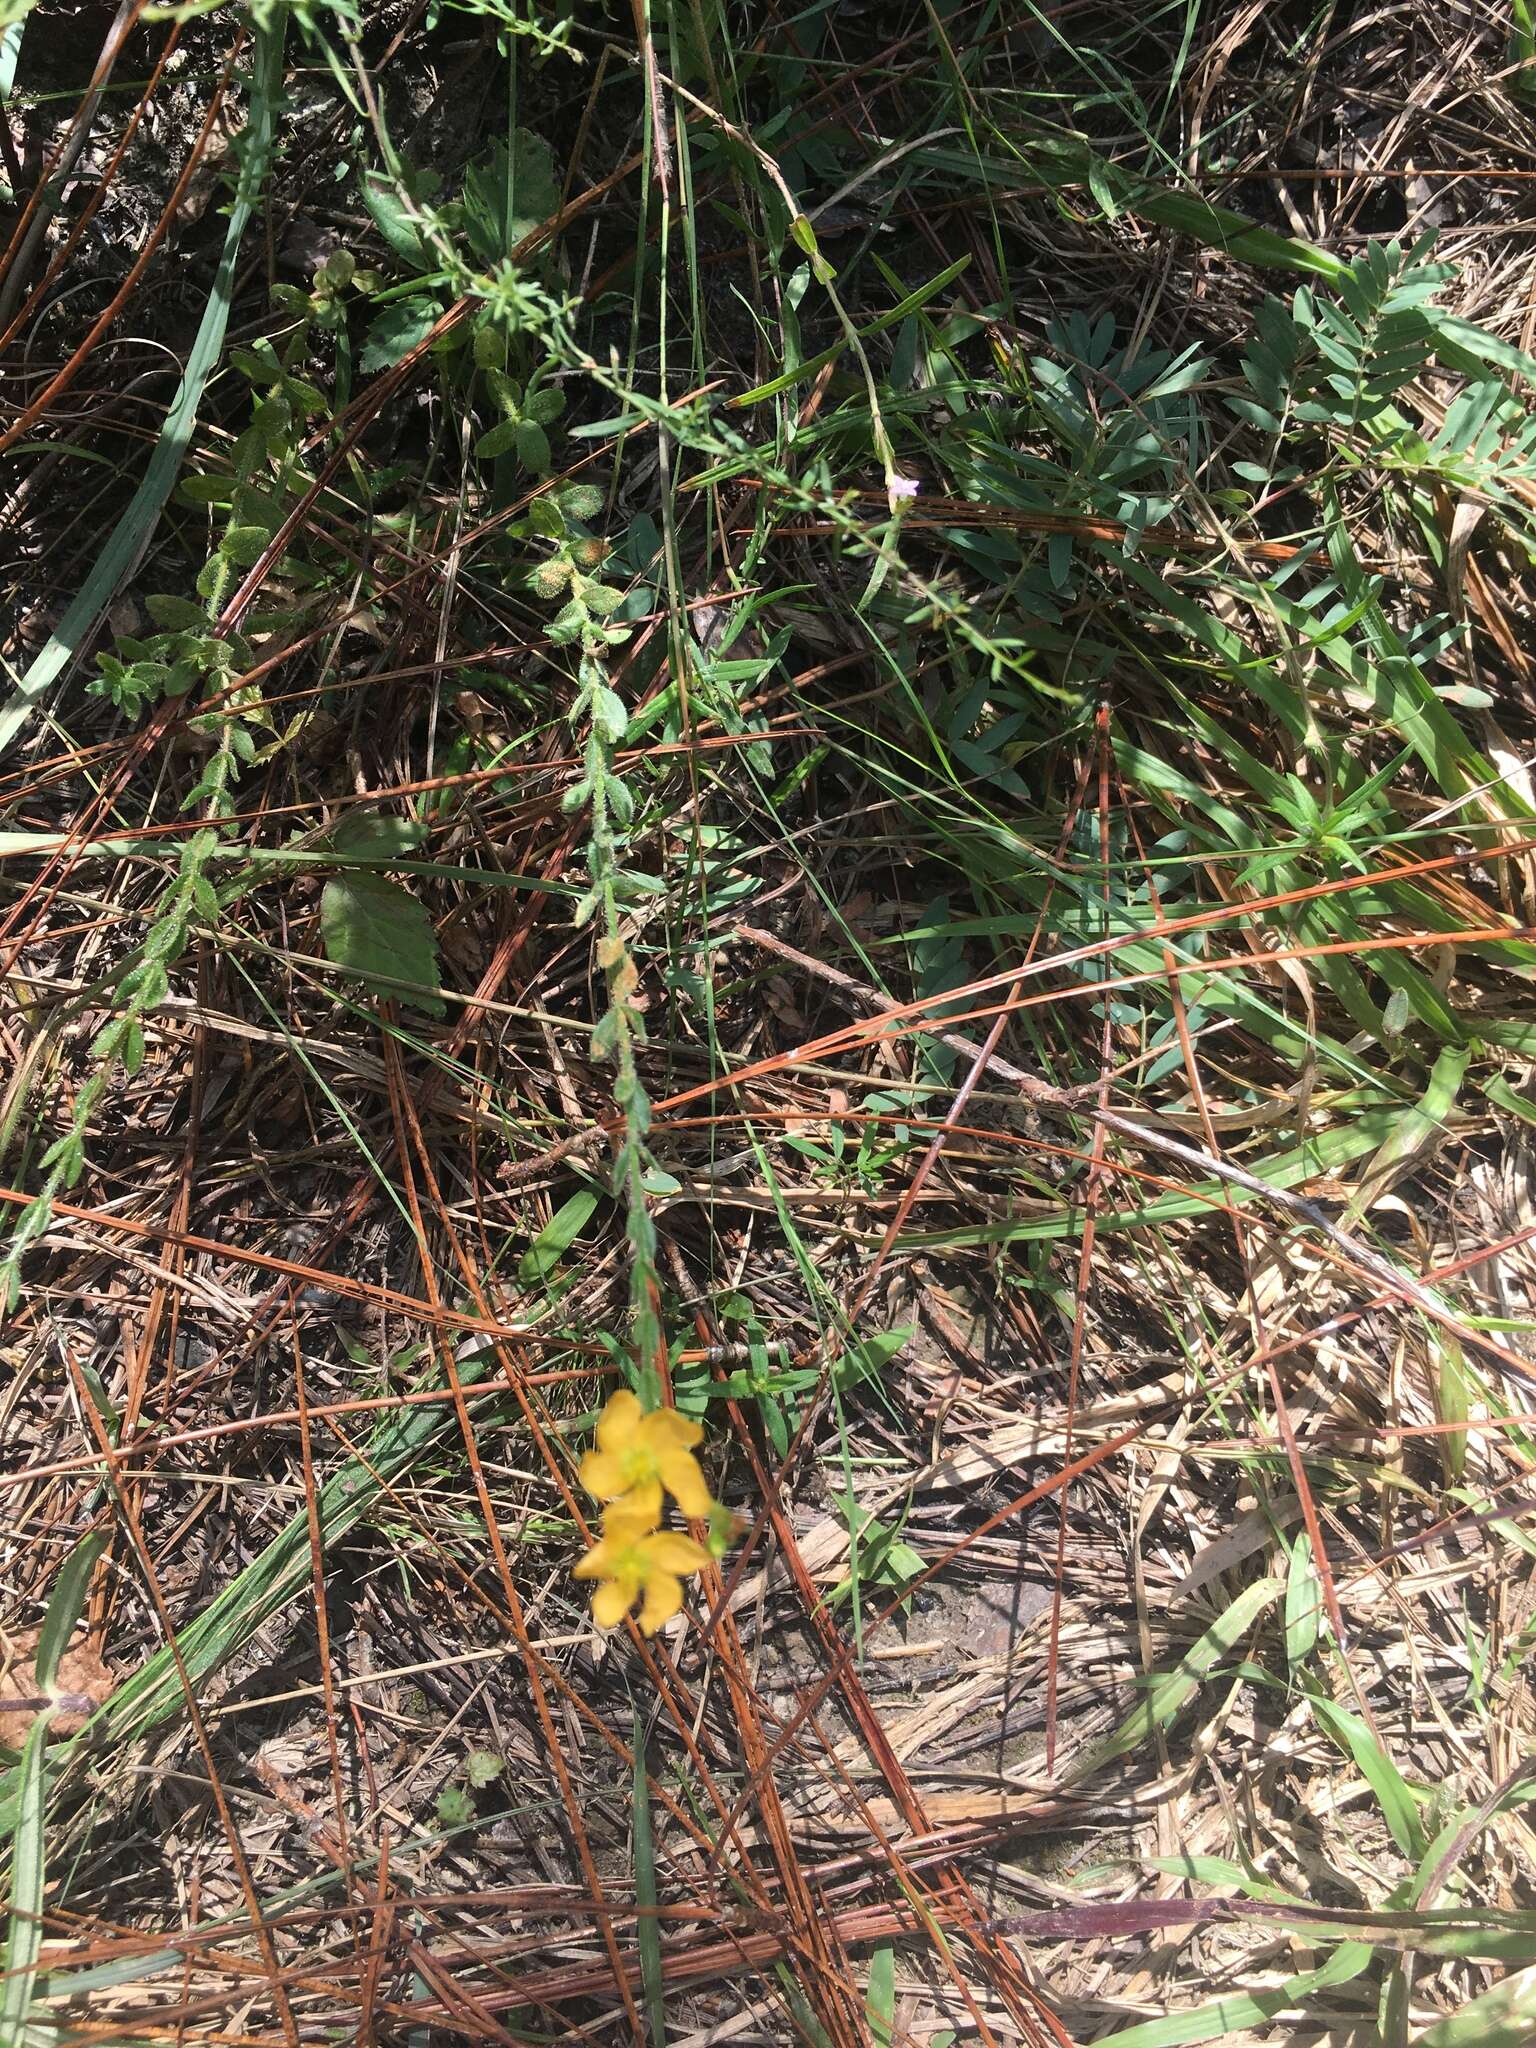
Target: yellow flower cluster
point(640, 1457)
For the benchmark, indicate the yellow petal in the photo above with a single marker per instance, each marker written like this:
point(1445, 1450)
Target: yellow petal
point(602, 1473)
point(610, 1603)
point(667, 1430)
point(682, 1478)
point(634, 1514)
point(619, 1422)
point(670, 1551)
point(597, 1563)
point(663, 1597)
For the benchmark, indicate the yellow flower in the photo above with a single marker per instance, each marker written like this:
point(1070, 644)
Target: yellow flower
point(639, 1454)
point(635, 1558)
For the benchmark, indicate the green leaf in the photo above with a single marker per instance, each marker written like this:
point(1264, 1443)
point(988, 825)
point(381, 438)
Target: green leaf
point(1243, 2011)
point(132, 534)
point(1504, 2017)
point(1303, 1604)
point(508, 195)
point(1399, 1807)
point(24, 1935)
point(365, 835)
point(880, 1998)
point(244, 545)
point(394, 331)
point(383, 200)
point(653, 1983)
point(557, 1237)
point(455, 1809)
point(532, 446)
point(375, 929)
point(66, 1604)
point(1420, 1130)
point(1452, 1399)
point(176, 614)
point(579, 501)
point(497, 440)
point(867, 1357)
point(483, 1767)
point(1170, 1691)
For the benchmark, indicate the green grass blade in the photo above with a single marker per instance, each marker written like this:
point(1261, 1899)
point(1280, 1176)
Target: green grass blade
point(1228, 2015)
point(647, 1928)
point(1170, 1691)
point(133, 532)
point(24, 1937)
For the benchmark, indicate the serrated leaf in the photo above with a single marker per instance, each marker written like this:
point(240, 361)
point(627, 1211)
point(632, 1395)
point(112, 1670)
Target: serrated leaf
point(454, 1807)
point(374, 929)
point(508, 195)
point(482, 1767)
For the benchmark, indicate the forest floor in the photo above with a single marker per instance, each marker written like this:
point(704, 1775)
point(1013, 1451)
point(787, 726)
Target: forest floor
point(828, 714)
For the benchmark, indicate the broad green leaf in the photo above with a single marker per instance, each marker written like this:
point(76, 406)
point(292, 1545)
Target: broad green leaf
point(374, 928)
point(369, 835)
point(557, 1237)
point(508, 195)
point(497, 440)
point(395, 330)
point(384, 202)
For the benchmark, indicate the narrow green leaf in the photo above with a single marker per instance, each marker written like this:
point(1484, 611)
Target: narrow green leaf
point(1244, 2010)
point(24, 1935)
point(130, 538)
point(653, 1987)
point(1170, 1691)
point(1419, 1131)
point(880, 1998)
point(1303, 1604)
point(66, 1604)
point(1399, 1807)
